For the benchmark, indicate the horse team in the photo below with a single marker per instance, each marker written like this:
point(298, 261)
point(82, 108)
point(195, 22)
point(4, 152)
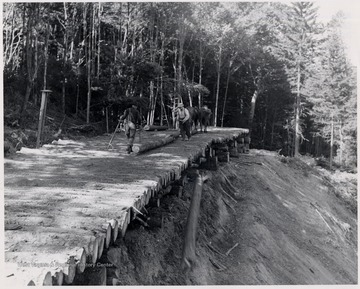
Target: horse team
point(200, 116)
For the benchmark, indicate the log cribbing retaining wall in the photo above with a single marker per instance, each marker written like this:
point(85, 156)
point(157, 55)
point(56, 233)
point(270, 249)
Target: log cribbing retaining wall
point(91, 242)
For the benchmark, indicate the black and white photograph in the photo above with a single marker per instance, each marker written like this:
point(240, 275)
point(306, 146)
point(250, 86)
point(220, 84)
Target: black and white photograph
point(179, 143)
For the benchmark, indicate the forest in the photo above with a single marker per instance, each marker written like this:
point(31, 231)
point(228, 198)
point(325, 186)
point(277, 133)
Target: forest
point(270, 67)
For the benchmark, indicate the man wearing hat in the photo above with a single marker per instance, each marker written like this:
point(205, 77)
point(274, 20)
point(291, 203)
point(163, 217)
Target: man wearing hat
point(183, 116)
point(132, 121)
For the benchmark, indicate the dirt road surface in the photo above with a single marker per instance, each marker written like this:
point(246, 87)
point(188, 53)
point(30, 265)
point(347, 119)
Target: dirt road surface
point(59, 199)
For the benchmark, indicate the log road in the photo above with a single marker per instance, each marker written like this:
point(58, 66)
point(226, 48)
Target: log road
point(66, 202)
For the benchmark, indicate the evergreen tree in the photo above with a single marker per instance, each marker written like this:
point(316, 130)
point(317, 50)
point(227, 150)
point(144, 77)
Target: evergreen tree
point(296, 47)
point(332, 89)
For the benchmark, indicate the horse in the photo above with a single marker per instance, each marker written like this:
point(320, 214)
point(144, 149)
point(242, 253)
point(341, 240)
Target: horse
point(204, 116)
point(194, 116)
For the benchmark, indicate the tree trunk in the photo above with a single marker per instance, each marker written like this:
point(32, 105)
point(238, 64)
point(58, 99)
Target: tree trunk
point(297, 114)
point(152, 102)
point(162, 111)
point(200, 71)
point(99, 41)
point(64, 59)
point(318, 149)
point(29, 51)
point(31, 56)
point(46, 55)
point(226, 92)
point(182, 34)
point(175, 71)
point(218, 86)
point(289, 151)
point(93, 41)
point(273, 128)
point(331, 141)
point(88, 68)
point(175, 123)
point(264, 126)
point(341, 145)
point(77, 95)
point(252, 110)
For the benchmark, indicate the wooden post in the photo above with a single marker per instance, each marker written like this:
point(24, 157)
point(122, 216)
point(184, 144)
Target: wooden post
point(189, 256)
point(107, 119)
point(247, 144)
point(44, 94)
point(241, 145)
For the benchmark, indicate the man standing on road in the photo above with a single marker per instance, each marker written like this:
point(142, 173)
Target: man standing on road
point(132, 122)
point(183, 116)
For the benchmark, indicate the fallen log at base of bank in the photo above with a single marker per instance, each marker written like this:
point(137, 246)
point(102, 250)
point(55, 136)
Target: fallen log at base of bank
point(189, 255)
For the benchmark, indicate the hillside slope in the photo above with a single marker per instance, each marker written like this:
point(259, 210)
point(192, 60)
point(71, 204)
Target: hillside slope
point(264, 220)
point(290, 226)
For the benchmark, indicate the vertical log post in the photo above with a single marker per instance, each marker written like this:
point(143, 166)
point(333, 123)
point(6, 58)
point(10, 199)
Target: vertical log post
point(233, 149)
point(107, 119)
point(44, 94)
point(241, 144)
point(189, 256)
point(247, 144)
point(222, 152)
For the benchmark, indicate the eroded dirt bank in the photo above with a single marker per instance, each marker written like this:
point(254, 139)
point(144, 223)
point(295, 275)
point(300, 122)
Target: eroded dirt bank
point(264, 220)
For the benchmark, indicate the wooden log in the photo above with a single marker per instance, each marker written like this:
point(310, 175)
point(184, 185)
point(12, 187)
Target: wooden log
point(211, 152)
point(224, 157)
point(240, 148)
point(97, 276)
point(38, 265)
point(70, 270)
point(155, 202)
point(58, 278)
point(44, 279)
point(124, 222)
point(25, 276)
point(232, 143)
point(189, 256)
point(114, 229)
point(232, 248)
point(241, 140)
point(180, 191)
point(81, 260)
point(106, 228)
point(246, 148)
point(220, 146)
point(92, 250)
point(155, 127)
point(101, 245)
point(234, 152)
point(148, 196)
point(141, 148)
point(211, 164)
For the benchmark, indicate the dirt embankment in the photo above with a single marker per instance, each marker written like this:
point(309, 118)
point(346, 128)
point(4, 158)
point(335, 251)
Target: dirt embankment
point(264, 220)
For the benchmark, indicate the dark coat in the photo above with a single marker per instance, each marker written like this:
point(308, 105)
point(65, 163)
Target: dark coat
point(133, 115)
